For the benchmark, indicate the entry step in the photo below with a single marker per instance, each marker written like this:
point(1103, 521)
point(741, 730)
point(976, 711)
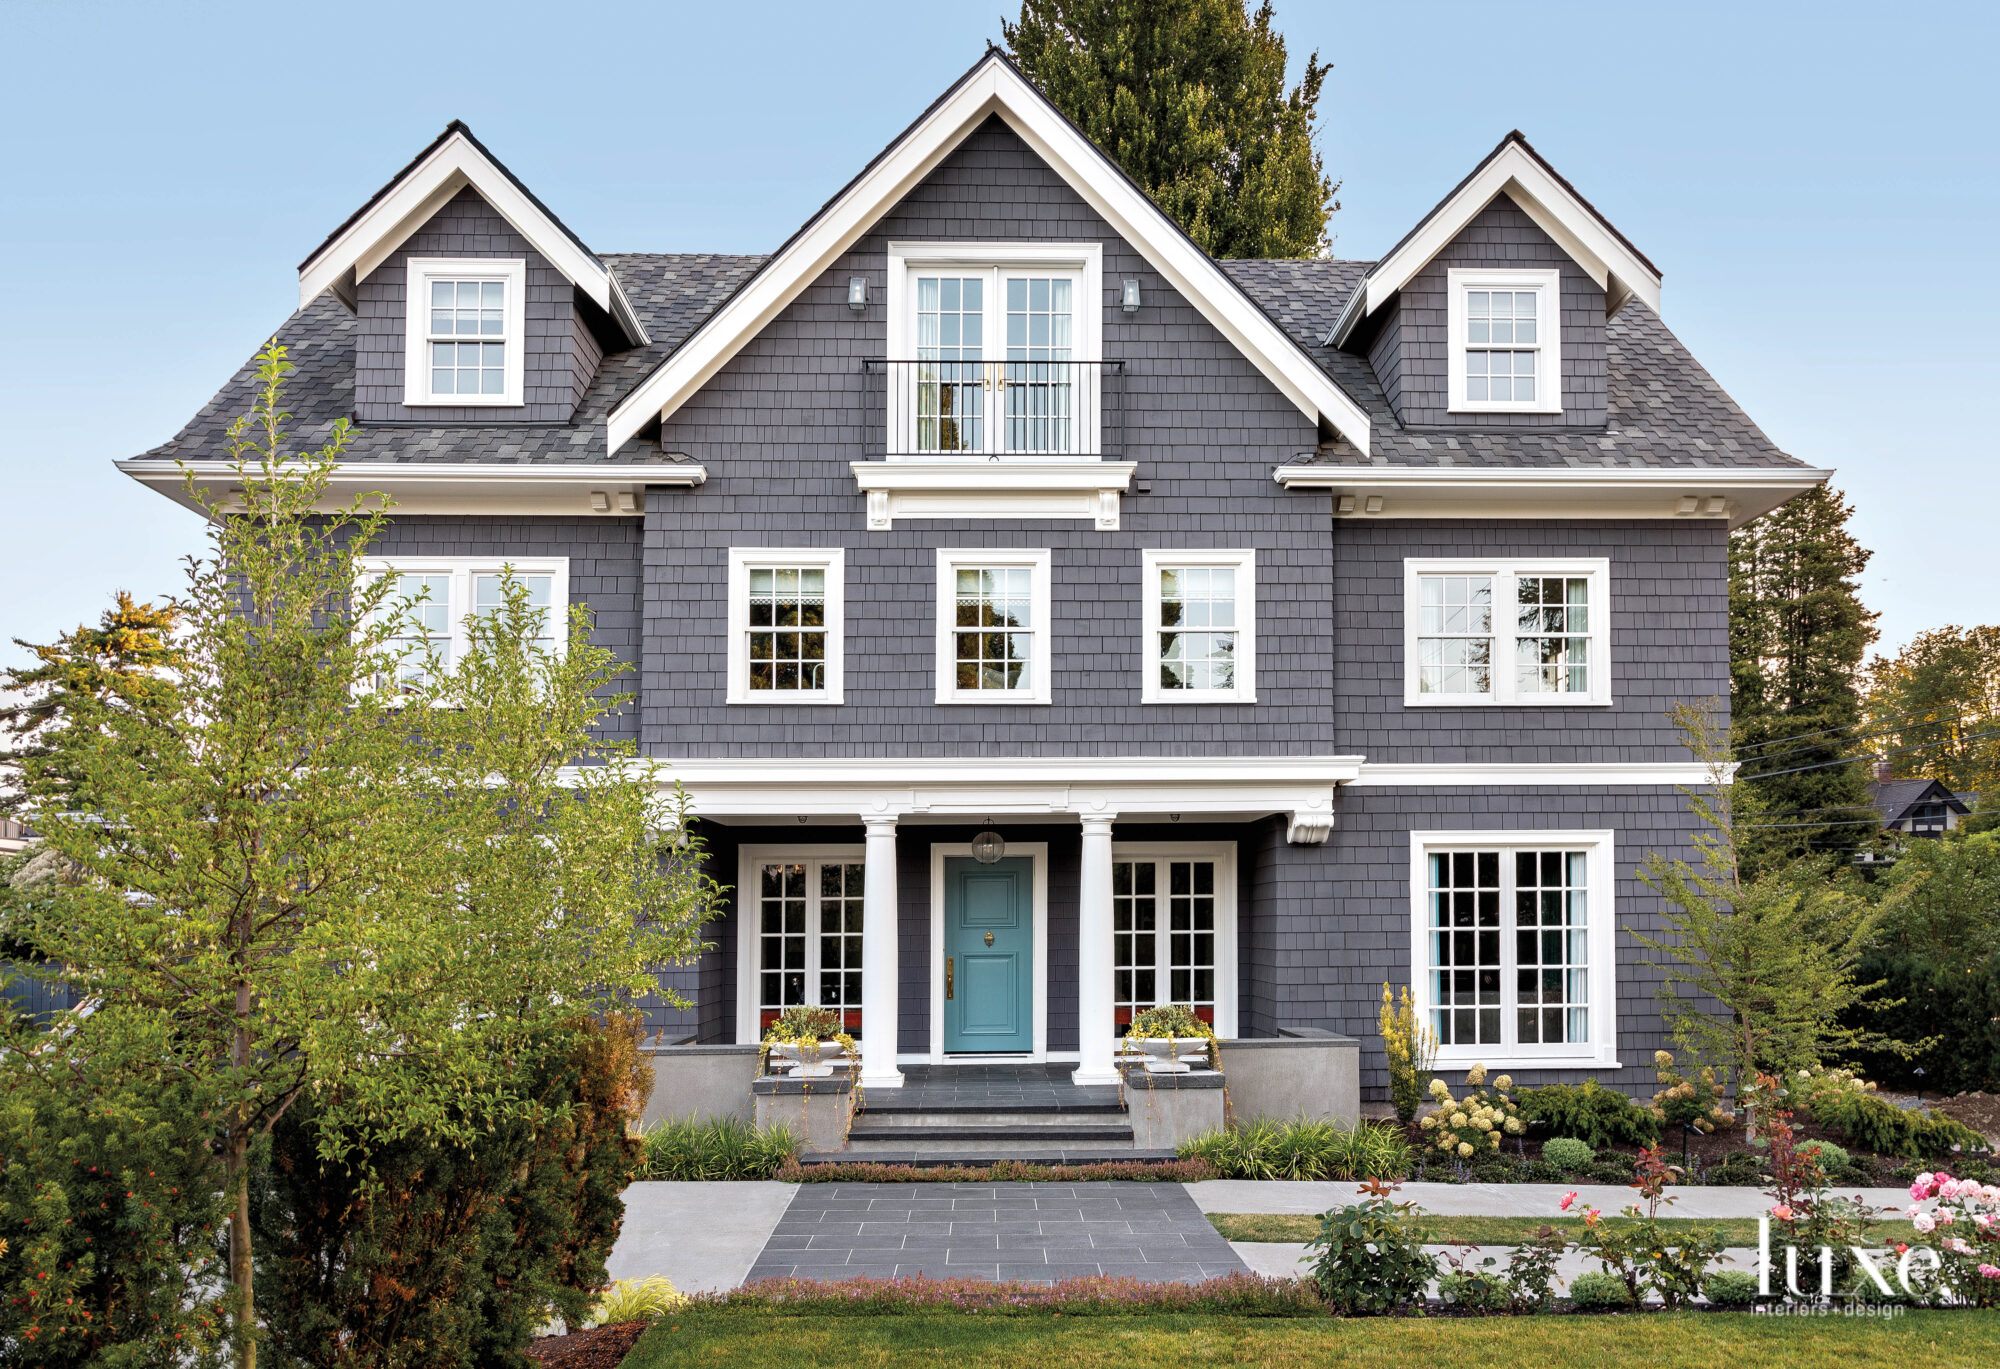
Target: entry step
point(928, 1159)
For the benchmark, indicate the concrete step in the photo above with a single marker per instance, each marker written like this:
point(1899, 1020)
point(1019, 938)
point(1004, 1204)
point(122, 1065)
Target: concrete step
point(990, 1154)
point(1044, 1135)
point(988, 1115)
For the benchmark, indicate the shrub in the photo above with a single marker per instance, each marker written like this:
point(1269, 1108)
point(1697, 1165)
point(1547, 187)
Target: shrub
point(1301, 1149)
point(1245, 1295)
point(1479, 1290)
point(1568, 1153)
point(1691, 1104)
point(1953, 1004)
point(1599, 1291)
point(719, 1148)
point(1591, 1113)
point(636, 1300)
point(1830, 1156)
point(1463, 1127)
point(1371, 1258)
point(1411, 1049)
point(1531, 1273)
point(1730, 1288)
point(461, 1250)
point(1000, 1172)
point(1842, 1100)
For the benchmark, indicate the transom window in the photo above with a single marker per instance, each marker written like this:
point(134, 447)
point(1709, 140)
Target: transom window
point(1496, 632)
point(1172, 921)
point(1513, 957)
point(993, 627)
point(1200, 612)
point(1505, 349)
point(435, 596)
point(807, 950)
point(785, 624)
point(465, 326)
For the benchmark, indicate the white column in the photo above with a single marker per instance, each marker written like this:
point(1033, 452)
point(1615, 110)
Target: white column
point(1094, 956)
point(881, 971)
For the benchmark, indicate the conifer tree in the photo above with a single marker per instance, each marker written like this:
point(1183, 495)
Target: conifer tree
point(1190, 99)
point(1798, 631)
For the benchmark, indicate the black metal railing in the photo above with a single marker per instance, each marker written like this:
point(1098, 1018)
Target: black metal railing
point(1022, 408)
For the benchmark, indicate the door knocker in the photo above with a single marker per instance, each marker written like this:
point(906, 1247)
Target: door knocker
point(989, 938)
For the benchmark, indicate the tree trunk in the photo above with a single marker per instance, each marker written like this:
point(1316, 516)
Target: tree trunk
point(241, 1272)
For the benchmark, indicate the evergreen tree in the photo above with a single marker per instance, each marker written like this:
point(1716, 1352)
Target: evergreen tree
point(1798, 631)
point(1190, 99)
point(1932, 704)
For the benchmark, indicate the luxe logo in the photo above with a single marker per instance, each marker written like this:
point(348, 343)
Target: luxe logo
point(1862, 1258)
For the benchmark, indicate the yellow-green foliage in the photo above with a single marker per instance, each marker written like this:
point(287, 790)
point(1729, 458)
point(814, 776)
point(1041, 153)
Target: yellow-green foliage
point(1411, 1049)
point(1462, 1127)
point(637, 1300)
point(1695, 1103)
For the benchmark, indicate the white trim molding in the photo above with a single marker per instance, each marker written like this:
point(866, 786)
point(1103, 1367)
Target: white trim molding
point(569, 489)
point(1040, 665)
point(1038, 853)
point(1546, 286)
point(992, 87)
point(1000, 489)
point(1735, 493)
point(833, 562)
point(460, 601)
point(1524, 774)
point(1244, 625)
point(1503, 575)
point(1601, 1051)
point(510, 273)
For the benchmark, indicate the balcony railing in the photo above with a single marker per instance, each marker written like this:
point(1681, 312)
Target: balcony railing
point(981, 410)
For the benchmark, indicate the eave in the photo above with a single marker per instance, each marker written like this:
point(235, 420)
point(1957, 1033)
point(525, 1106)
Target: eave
point(573, 490)
point(1738, 494)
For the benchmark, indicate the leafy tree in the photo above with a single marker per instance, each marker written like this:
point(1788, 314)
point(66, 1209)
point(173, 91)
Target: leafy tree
point(1190, 99)
point(1797, 634)
point(1759, 969)
point(1941, 900)
point(1933, 705)
point(295, 882)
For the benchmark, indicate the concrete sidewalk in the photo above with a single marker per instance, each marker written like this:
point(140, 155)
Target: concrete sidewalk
point(702, 1236)
point(1504, 1200)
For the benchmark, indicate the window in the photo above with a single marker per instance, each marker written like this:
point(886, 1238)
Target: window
point(1506, 349)
point(465, 331)
point(993, 350)
point(993, 635)
point(434, 596)
point(801, 915)
point(1513, 944)
point(1173, 921)
point(785, 611)
point(1201, 611)
point(1503, 632)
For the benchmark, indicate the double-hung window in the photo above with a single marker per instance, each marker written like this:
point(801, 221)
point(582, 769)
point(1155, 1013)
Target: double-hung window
point(1173, 920)
point(785, 623)
point(434, 599)
point(1200, 643)
point(800, 914)
point(465, 321)
point(993, 627)
point(1512, 942)
point(1506, 341)
point(1507, 632)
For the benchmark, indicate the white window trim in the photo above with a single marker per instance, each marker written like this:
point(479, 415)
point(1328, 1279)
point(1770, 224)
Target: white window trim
point(949, 560)
point(1505, 571)
point(749, 924)
point(834, 561)
point(1223, 853)
point(416, 321)
point(1602, 1050)
point(1548, 344)
point(462, 569)
point(1244, 691)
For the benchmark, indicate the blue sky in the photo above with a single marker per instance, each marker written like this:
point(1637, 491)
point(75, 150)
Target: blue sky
point(1819, 183)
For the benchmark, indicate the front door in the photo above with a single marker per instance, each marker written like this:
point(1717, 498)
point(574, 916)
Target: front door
point(989, 947)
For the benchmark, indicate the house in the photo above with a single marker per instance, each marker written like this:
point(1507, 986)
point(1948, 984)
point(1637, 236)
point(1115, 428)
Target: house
point(1918, 807)
point(1048, 620)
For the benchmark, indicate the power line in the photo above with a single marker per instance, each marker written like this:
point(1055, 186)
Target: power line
point(1835, 731)
point(1866, 736)
point(1852, 760)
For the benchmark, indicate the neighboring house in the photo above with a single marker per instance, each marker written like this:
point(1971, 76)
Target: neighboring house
point(1292, 626)
point(1918, 807)
point(14, 837)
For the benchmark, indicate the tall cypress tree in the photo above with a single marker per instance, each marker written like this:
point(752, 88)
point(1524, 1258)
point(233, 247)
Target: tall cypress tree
point(1190, 99)
point(1798, 631)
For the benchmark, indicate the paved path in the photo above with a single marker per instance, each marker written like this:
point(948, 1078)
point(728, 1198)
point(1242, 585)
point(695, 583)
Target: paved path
point(702, 1236)
point(1037, 1232)
point(1500, 1200)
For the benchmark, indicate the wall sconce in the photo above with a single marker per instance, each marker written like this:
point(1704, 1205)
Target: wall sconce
point(857, 292)
point(1129, 301)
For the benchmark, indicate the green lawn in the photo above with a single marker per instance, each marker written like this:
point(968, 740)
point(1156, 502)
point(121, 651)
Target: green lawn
point(1286, 1226)
point(1659, 1341)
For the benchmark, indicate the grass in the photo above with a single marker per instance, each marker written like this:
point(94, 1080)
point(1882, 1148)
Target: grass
point(1299, 1226)
point(763, 1340)
point(1302, 1148)
point(721, 1148)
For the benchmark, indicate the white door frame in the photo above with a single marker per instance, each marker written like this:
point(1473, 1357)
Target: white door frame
point(1223, 853)
point(1038, 854)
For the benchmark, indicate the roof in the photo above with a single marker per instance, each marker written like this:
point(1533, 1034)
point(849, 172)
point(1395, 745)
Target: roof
point(1894, 799)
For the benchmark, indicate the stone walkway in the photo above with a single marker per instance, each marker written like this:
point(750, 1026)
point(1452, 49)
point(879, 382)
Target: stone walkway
point(1037, 1232)
point(703, 1236)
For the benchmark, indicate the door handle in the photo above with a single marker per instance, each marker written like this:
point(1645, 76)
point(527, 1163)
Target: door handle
point(947, 976)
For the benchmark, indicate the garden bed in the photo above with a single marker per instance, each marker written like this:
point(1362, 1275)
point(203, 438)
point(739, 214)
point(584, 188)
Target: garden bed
point(599, 1347)
point(1299, 1226)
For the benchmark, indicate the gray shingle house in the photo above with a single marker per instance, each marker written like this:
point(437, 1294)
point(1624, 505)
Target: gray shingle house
point(1047, 620)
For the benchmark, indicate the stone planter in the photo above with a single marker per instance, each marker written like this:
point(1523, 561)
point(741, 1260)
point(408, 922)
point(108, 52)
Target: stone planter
point(1168, 1055)
point(810, 1060)
point(819, 1111)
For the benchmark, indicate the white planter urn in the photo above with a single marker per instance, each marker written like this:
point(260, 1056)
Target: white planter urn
point(810, 1060)
point(1168, 1055)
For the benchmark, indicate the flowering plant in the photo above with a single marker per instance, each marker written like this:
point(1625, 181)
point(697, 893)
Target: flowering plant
point(1637, 1249)
point(1462, 1127)
point(1804, 1215)
point(1370, 1255)
point(1691, 1104)
point(1960, 1220)
point(1411, 1048)
point(805, 1027)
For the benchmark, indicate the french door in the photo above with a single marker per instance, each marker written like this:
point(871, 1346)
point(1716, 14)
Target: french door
point(998, 367)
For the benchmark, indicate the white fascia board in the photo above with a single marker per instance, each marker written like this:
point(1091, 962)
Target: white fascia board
point(1554, 208)
point(453, 487)
point(1738, 493)
point(993, 89)
point(453, 165)
point(1501, 775)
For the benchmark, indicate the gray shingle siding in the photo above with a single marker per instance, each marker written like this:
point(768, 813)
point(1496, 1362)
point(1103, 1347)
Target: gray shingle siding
point(465, 227)
point(585, 356)
point(1385, 353)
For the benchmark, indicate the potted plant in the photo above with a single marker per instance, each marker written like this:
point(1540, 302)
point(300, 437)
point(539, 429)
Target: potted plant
point(809, 1040)
point(1162, 1037)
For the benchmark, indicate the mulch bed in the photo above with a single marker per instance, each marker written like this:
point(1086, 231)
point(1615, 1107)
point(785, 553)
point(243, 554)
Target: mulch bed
point(601, 1347)
point(1980, 1111)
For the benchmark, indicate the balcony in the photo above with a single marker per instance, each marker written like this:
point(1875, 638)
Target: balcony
point(1000, 410)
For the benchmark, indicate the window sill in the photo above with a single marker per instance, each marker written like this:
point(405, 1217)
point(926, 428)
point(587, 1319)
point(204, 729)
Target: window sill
point(1544, 410)
point(466, 402)
point(1487, 701)
point(995, 698)
point(1185, 697)
point(767, 700)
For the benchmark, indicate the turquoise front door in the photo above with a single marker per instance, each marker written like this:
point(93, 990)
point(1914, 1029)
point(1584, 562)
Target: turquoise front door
point(989, 947)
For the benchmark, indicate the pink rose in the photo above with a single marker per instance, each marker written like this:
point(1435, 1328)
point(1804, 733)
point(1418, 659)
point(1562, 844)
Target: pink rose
point(1946, 1216)
point(1924, 1222)
point(1568, 1198)
point(1782, 1213)
point(1987, 1271)
point(1958, 1247)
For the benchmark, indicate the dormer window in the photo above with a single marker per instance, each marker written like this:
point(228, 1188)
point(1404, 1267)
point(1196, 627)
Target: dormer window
point(465, 332)
point(1506, 352)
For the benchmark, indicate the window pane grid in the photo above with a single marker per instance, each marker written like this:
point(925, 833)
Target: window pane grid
point(994, 629)
point(787, 628)
point(1552, 645)
point(1197, 642)
point(808, 944)
point(1455, 634)
point(462, 310)
point(951, 376)
point(781, 958)
point(1551, 948)
point(840, 894)
point(1518, 978)
point(1135, 930)
point(1038, 383)
point(488, 598)
point(1505, 373)
point(422, 608)
point(1170, 959)
point(1465, 947)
